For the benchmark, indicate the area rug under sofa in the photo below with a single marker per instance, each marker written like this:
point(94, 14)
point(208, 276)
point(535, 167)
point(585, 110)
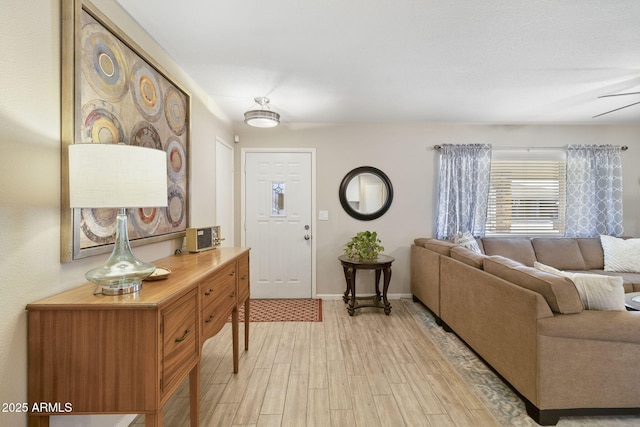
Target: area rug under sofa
point(498, 397)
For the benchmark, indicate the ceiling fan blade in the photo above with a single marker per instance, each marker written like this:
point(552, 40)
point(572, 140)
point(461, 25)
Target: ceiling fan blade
point(611, 111)
point(619, 94)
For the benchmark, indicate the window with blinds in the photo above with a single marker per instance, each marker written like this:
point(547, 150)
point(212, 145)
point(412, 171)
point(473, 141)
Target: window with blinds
point(527, 195)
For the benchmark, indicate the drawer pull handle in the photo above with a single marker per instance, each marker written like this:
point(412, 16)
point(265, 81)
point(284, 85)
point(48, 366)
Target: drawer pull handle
point(183, 337)
point(233, 273)
point(209, 319)
point(244, 277)
point(209, 292)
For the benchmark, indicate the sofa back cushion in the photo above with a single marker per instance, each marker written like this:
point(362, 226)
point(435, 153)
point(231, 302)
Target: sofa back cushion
point(468, 257)
point(515, 248)
point(592, 252)
point(559, 292)
point(420, 241)
point(562, 253)
point(443, 247)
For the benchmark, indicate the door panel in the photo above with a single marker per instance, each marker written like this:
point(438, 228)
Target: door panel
point(278, 208)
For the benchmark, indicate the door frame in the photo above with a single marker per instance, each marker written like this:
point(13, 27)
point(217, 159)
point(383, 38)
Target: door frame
point(228, 235)
point(243, 212)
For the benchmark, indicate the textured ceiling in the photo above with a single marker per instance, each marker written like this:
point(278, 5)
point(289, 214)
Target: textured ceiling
point(399, 61)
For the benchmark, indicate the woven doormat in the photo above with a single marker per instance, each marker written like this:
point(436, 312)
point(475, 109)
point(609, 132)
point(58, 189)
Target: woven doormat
point(283, 310)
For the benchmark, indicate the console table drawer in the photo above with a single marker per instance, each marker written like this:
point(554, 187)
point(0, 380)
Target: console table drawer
point(180, 343)
point(216, 311)
point(243, 278)
point(214, 287)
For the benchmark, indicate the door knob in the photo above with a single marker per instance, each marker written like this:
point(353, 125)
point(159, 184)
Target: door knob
point(307, 237)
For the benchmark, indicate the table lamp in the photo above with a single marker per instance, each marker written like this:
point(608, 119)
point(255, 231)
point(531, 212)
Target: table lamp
point(118, 176)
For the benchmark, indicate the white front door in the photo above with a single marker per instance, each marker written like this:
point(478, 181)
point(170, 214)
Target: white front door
point(224, 191)
point(278, 223)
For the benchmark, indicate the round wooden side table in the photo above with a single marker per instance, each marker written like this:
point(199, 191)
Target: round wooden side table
point(382, 266)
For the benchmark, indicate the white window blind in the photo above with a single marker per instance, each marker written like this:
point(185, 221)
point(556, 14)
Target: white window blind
point(527, 194)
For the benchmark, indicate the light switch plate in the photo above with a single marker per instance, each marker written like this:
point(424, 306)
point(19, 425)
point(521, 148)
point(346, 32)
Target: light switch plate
point(323, 215)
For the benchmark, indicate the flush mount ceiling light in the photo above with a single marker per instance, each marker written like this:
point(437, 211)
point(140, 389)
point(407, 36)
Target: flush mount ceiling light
point(263, 117)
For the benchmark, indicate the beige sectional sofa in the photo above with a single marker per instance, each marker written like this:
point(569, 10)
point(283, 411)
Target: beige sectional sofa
point(531, 326)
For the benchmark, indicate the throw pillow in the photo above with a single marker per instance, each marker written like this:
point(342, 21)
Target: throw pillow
point(596, 291)
point(466, 240)
point(599, 292)
point(548, 269)
point(622, 255)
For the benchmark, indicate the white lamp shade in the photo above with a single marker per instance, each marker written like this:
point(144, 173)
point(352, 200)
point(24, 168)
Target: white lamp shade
point(116, 176)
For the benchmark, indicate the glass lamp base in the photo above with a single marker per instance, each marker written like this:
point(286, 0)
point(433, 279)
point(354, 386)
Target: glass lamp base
point(129, 288)
point(123, 272)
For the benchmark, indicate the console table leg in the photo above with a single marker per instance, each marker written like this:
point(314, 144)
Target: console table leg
point(194, 395)
point(247, 307)
point(38, 421)
point(153, 419)
point(234, 333)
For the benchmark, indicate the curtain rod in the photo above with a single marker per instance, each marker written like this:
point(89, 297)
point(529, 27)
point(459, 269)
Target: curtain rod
point(622, 148)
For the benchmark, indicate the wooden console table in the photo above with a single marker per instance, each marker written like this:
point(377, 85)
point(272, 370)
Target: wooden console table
point(128, 354)
point(382, 264)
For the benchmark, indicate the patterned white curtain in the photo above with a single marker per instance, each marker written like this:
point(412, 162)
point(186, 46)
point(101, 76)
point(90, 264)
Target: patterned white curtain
point(463, 190)
point(594, 191)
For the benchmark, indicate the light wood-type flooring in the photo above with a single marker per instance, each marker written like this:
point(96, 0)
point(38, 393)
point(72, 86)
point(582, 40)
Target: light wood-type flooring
point(367, 370)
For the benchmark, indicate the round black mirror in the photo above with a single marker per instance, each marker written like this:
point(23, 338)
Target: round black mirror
point(366, 193)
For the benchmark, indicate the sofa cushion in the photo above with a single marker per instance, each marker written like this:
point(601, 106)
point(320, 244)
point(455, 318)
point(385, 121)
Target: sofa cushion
point(592, 252)
point(420, 241)
point(550, 269)
point(590, 325)
point(597, 291)
point(621, 254)
point(559, 252)
point(443, 247)
point(518, 249)
point(468, 256)
point(559, 292)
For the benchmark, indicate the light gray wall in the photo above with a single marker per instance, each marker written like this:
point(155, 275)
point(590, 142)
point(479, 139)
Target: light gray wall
point(405, 153)
point(30, 267)
point(30, 177)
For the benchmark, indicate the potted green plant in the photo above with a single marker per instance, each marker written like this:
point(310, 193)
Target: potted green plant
point(364, 246)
